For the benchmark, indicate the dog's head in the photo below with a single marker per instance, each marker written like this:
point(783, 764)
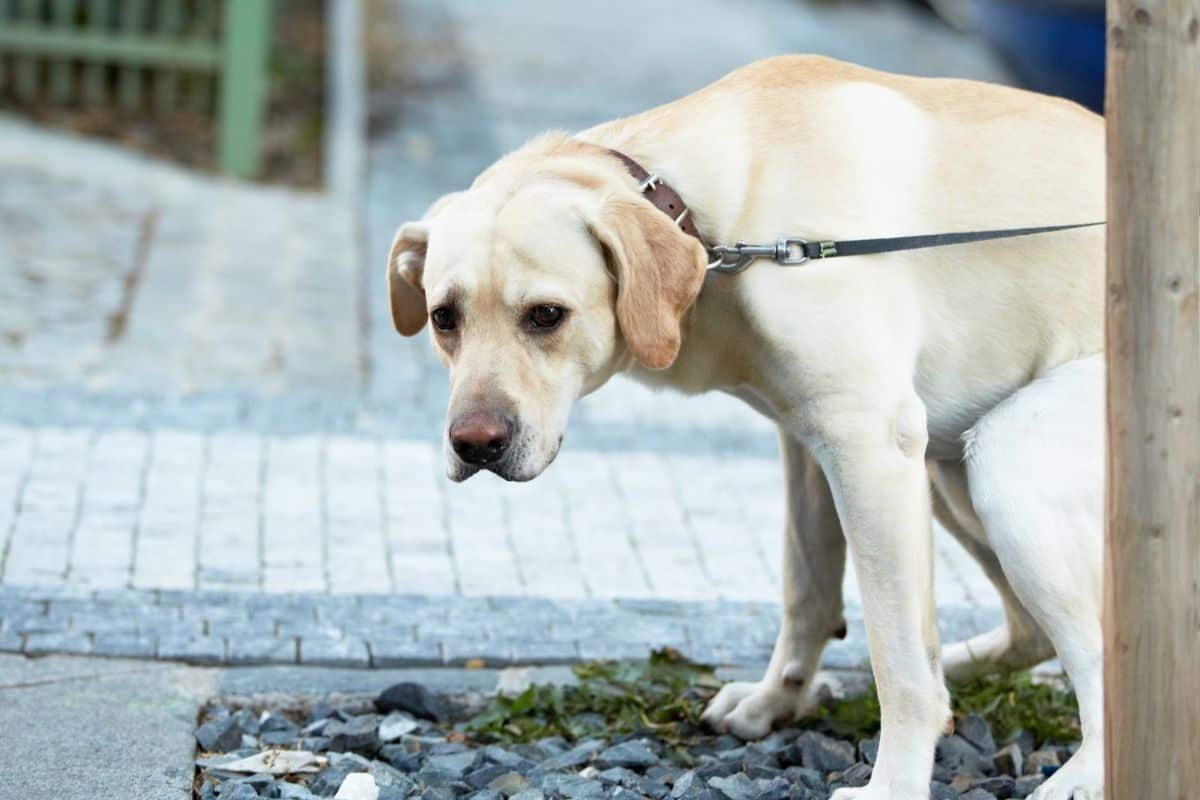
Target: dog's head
point(542, 280)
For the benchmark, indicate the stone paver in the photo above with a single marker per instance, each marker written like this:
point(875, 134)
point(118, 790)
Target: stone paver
point(343, 514)
point(396, 630)
point(202, 397)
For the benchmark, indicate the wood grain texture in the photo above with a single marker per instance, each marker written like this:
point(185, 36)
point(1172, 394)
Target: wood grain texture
point(1152, 560)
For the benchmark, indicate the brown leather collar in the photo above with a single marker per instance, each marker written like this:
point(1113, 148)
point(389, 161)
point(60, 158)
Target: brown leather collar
point(661, 195)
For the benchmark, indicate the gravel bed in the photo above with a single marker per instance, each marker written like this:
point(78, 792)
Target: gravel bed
point(404, 744)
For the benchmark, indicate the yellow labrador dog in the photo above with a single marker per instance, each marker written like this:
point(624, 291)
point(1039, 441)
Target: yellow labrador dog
point(960, 381)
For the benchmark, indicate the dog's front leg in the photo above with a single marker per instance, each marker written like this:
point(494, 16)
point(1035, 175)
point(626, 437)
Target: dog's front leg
point(814, 558)
point(875, 465)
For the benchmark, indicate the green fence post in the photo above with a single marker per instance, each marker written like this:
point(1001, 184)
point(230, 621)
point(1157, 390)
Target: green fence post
point(243, 85)
point(4, 16)
point(95, 73)
point(62, 14)
point(203, 27)
point(26, 78)
point(166, 81)
point(129, 80)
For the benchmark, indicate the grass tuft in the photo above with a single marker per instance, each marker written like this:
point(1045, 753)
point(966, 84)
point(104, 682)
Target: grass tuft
point(666, 695)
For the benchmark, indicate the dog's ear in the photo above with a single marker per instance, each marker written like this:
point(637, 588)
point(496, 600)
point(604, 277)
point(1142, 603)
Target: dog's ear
point(405, 266)
point(659, 271)
point(406, 269)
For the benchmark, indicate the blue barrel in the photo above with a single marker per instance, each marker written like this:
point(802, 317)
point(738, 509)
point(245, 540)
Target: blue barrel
point(1053, 46)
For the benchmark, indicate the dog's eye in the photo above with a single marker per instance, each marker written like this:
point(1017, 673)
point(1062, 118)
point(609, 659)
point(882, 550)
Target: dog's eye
point(444, 318)
point(545, 317)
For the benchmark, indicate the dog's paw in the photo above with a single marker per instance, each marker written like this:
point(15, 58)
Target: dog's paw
point(1081, 778)
point(872, 791)
point(962, 661)
point(998, 649)
point(856, 793)
point(1065, 791)
point(748, 710)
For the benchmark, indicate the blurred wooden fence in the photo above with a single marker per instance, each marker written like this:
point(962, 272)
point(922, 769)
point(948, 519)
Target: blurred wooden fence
point(138, 55)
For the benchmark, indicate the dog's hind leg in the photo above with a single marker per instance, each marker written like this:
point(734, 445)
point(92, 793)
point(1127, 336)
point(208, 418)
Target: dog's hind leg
point(1017, 644)
point(1035, 467)
point(814, 562)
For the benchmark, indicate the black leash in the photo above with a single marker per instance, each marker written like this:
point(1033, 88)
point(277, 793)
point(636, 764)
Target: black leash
point(791, 251)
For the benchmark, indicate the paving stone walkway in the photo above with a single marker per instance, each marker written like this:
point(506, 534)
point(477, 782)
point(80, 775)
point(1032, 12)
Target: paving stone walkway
point(336, 513)
point(399, 630)
point(202, 398)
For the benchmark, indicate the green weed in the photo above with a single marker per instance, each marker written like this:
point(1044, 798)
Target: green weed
point(666, 695)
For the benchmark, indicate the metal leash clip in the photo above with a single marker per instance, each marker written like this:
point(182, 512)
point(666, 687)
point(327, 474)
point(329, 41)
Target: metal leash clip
point(735, 258)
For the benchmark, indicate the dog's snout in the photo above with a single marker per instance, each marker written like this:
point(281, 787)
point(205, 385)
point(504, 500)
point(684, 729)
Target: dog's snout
point(481, 437)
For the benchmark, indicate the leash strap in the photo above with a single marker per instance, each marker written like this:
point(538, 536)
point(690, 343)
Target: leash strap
point(866, 247)
point(791, 251)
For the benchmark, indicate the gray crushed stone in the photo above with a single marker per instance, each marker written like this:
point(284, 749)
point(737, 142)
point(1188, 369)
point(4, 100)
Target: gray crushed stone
point(422, 759)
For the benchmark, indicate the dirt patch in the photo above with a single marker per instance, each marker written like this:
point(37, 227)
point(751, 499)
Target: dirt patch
point(293, 126)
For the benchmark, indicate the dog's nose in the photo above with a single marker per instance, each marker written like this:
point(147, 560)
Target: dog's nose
point(480, 437)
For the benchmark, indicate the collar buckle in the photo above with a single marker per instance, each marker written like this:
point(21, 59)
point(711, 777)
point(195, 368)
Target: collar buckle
point(650, 183)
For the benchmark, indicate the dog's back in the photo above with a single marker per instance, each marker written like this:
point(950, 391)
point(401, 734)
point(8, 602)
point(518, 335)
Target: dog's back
point(808, 146)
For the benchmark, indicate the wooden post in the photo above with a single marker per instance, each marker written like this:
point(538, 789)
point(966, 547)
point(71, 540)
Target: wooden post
point(243, 85)
point(1152, 560)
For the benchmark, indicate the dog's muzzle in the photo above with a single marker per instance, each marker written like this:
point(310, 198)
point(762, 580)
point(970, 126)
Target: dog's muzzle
point(481, 438)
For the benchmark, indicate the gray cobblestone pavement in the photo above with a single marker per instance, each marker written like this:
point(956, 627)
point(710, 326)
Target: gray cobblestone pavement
point(348, 514)
point(391, 631)
point(203, 406)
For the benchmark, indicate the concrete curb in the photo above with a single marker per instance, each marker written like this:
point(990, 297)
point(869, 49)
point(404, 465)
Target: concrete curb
point(77, 729)
point(395, 631)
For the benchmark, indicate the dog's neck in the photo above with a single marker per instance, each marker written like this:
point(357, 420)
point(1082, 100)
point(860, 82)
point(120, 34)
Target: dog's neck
point(714, 338)
point(716, 350)
point(714, 197)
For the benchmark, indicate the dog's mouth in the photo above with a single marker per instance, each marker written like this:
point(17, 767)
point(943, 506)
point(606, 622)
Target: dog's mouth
point(514, 467)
